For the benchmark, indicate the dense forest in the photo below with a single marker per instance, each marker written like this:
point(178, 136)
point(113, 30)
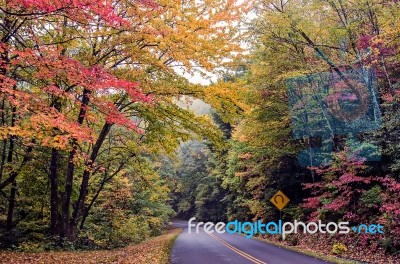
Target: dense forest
point(334, 165)
point(90, 94)
point(101, 145)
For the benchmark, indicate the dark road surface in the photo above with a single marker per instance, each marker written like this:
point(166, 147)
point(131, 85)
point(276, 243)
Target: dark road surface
point(226, 248)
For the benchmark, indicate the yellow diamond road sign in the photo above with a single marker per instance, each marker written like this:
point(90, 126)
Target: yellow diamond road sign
point(280, 200)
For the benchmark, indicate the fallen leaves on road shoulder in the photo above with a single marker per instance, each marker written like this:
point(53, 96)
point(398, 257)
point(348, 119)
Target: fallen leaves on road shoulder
point(153, 251)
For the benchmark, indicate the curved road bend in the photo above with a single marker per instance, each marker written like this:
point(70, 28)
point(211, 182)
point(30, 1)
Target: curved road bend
point(233, 249)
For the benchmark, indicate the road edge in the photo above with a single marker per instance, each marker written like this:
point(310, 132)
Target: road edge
point(167, 258)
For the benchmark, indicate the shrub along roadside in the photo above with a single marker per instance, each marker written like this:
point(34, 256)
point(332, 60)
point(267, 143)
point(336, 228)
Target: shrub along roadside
point(154, 251)
point(336, 249)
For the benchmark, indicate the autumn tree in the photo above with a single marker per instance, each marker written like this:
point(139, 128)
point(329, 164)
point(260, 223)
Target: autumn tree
point(78, 74)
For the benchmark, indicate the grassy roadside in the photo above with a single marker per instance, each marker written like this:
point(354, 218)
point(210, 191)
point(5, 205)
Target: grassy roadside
point(310, 253)
point(153, 251)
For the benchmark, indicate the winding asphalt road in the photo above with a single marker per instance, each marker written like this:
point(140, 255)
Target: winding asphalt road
point(226, 248)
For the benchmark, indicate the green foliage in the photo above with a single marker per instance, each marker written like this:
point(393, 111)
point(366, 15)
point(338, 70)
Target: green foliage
point(197, 190)
point(339, 248)
point(372, 197)
point(132, 230)
point(131, 209)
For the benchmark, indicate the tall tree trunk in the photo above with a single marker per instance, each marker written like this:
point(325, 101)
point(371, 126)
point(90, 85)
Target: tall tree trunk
point(54, 191)
point(11, 205)
point(65, 225)
point(11, 199)
point(53, 176)
point(66, 230)
point(86, 174)
point(86, 210)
